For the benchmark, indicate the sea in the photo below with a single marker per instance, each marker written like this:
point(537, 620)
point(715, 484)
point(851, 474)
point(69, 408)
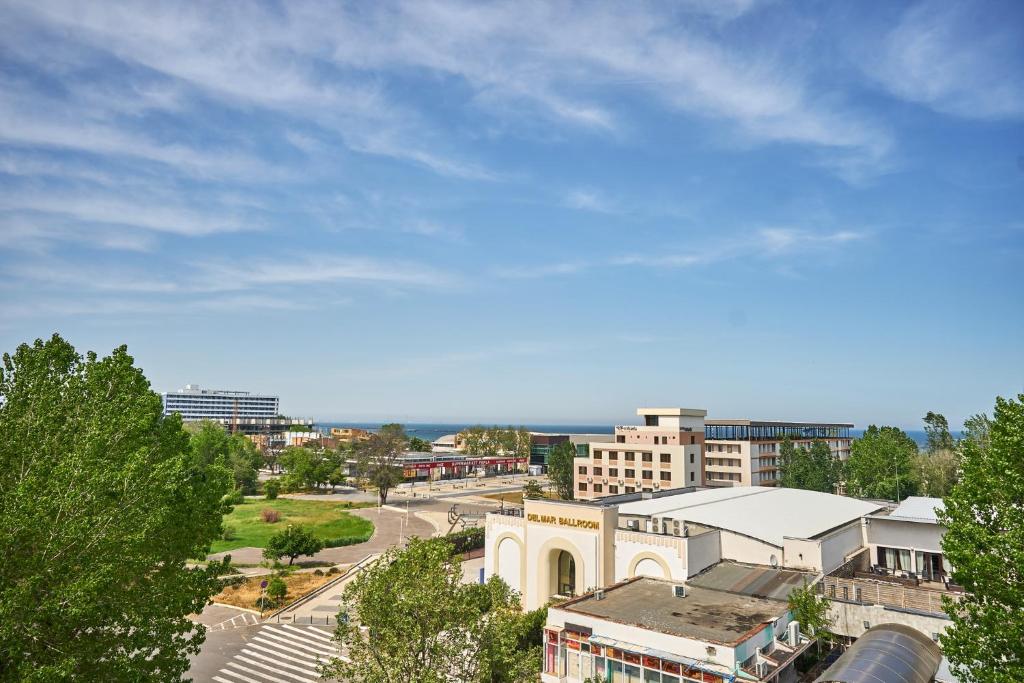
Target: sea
point(430, 431)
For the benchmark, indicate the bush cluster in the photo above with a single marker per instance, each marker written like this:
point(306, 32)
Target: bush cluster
point(348, 540)
point(270, 516)
point(467, 539)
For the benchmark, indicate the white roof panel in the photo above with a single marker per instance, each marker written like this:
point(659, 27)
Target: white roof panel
point(918, 508)
point(767, 514)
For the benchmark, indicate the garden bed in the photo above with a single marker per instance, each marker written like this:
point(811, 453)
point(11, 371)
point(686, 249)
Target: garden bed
point(246, 593)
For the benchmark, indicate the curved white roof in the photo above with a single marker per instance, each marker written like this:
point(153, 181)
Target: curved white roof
point(767, 514)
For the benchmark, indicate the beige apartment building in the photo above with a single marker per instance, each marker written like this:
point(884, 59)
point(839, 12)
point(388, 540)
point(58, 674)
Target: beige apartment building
point(665, 452)
point(746, 452)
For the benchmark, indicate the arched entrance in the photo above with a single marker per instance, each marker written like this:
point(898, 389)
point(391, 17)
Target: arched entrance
point(566, 574)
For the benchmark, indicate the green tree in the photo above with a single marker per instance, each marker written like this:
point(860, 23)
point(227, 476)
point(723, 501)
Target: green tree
point(378, 461)
point(561, 469)
point(936, 472)
point(936, 427)
point(881, 464)
point(420, 445)
point(292, 542)
point(532, 489)
point(271, 487)
point(297, 463)
point(976, 429)
point(813, 469)
point(984, 541)
point(812, 611)
point(244, 460)
point(209, 441)
point(103, 502)
point(410, 618)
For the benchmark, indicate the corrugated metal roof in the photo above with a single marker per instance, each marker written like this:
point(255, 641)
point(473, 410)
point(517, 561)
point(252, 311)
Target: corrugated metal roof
point(888, 653)
point(767, 514)
point(758, 581)
point(918, 509)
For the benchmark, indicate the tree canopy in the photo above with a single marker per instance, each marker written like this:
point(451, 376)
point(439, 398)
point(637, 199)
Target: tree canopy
point(495, 441)
point(984, 541)
point(881, 464)
point(813, 469)
point(292, 542)
point(103, 501)
point(561, 469)
point(377, 459)
point(411, 618)
point(936, 427)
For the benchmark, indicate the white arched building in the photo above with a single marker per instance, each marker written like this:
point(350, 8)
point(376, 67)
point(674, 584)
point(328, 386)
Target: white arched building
point(565, 548)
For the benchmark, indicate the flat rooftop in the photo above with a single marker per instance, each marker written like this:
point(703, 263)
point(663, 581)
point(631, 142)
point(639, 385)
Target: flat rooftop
point(753, 580)
point(918, 509)
point(672, 412)
point(704, 614)
point(774, 423)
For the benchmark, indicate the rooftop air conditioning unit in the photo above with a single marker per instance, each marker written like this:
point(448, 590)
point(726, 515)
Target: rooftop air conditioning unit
point(599, 594)
point(590, 479)
point(679, 590)
point(761, 669)
point(676, 528)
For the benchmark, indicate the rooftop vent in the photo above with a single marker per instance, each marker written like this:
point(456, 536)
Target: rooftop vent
point(599, 594)
point(679, 590)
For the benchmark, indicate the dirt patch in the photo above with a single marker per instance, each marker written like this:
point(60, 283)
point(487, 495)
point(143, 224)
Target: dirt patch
point(246, 593)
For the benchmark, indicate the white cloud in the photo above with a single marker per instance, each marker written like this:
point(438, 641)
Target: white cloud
point(766, 243)
point(588, 200)
point(958, 58)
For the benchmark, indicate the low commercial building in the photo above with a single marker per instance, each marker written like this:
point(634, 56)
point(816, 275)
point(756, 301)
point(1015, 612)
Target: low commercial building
point(665, 452)
point(349, 434)
point(746, 452)
point(558, 548)
point(657, 631)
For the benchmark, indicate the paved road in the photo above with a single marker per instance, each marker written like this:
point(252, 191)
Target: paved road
point(268, 653)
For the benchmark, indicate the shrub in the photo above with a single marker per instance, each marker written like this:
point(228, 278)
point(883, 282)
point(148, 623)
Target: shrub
point(264, 603)
point(277, 588)
point(467, 539)
point(347, 540)
point(270, 516)
point(318, 572)
point(332, 571)
point(271, 488)
point(227, 533)
point(236, 497)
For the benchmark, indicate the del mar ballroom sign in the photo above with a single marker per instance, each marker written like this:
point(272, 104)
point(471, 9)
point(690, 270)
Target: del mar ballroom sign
point(563, 521)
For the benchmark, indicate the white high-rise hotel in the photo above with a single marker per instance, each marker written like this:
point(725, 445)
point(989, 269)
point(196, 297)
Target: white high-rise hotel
point(193, 403)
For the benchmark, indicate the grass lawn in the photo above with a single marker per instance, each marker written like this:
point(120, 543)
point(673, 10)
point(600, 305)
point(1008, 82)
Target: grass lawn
point(327, 520)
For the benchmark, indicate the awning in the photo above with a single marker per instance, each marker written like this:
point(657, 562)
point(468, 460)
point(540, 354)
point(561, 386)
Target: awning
point(691, 664)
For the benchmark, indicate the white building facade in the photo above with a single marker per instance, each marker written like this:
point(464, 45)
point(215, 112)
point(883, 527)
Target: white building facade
point(194, 403)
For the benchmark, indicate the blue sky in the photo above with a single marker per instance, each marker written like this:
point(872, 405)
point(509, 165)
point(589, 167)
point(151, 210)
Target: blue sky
point(525, 212)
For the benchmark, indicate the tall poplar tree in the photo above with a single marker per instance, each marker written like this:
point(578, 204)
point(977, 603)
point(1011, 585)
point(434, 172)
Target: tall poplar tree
point(984, 541)
point(102, 502)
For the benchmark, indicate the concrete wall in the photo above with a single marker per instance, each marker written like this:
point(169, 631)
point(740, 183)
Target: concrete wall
point(848, 619)
point(746, 549)
point(669, 552)
point(801, 553)
point(702, 551)
point(839, 544)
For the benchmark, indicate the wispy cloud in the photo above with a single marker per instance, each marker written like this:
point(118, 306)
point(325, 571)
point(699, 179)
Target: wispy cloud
point(765, 244)
point(956, 57)
point(588, 200)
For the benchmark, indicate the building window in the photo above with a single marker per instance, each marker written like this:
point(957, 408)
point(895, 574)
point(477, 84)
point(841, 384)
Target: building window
point(691, 476)
point(666, 458)
point(620, 439)
point(693, 439)
point(613, 471)
point(647, 457)
point(566, 574)
point(691, 458)
point(598, 488)
point(666, 476)
point(612, 488)
point(630, 456)
point(597, 471)
point(630, 489)
point(582, 469)
point(630, 474)
point(583, 486)
point(647, 474)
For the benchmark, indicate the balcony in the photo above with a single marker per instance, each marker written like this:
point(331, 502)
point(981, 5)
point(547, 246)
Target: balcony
point(888, 593)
